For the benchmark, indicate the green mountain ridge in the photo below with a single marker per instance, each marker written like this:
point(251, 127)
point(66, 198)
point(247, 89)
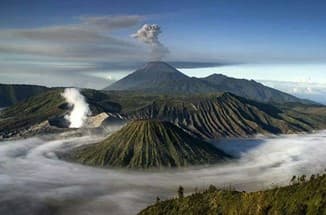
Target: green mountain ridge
point(32, 111)
point(205, 116)
point(301, 198)
point(145, 144)
point(11, 94)
point(228, 115)
point(49, 106)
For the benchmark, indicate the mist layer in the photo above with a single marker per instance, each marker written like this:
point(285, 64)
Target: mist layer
point(34, 181)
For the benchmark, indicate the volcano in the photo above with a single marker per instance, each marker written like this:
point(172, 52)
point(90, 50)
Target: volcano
point(160, 77)
point(148, 144)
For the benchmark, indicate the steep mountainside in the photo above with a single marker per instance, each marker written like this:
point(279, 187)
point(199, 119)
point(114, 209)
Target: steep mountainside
point(148, 144)
point(159, 77)
point(301, 198)
point(226, 115)
point(11, 93)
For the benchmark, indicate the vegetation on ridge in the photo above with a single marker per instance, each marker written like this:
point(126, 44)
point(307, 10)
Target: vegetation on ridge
point(11, 94)
point(32, 111)
point(300, 198)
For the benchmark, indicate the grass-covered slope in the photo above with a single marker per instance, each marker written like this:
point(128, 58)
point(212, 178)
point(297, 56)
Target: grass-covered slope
point(30, 112)
point(48, 106)
point(213, 116)
point(13, 93)
point(305, 198)
point(148, 144)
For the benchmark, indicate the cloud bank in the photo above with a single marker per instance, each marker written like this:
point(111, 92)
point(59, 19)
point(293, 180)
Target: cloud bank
point(31, 165)
point(65, 54)
point(111, 22)
point(89, 39)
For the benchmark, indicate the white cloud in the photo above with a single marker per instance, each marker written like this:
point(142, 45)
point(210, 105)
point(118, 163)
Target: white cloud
point(31, 169)
point(67, 54)
point(302, 89)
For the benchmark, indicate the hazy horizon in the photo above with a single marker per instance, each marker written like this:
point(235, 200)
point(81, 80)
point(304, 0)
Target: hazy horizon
point(302, 80)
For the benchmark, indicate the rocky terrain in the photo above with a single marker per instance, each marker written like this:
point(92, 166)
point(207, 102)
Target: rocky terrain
point(228, 115)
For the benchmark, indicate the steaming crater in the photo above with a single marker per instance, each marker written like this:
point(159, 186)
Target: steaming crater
point(80, 108)
point(34, 181)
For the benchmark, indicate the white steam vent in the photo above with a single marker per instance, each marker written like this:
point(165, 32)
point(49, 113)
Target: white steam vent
point(80, 110)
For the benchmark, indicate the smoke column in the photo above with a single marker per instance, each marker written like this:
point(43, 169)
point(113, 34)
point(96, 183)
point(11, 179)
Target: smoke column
point(149, 35)
point(80, 110)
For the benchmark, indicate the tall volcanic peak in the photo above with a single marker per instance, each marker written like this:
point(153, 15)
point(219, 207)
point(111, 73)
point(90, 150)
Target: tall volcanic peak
point(158, 67)
point(160, 77)
point(158, 71)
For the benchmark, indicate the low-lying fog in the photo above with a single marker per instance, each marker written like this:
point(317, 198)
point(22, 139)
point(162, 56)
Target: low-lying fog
point(34, 181)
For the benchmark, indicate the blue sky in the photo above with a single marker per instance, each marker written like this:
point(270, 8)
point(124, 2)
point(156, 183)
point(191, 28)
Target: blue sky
point(72, 40)
point(253, 30)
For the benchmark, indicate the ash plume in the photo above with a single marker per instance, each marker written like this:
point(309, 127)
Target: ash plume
point(80, 110)
point(149, 35)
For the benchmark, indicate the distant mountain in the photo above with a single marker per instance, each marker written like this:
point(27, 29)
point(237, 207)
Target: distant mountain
point(160, 77)
point(228, 115)
point(302, 197)
point(250, 89)
point(12, 94)
point(148, 144)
